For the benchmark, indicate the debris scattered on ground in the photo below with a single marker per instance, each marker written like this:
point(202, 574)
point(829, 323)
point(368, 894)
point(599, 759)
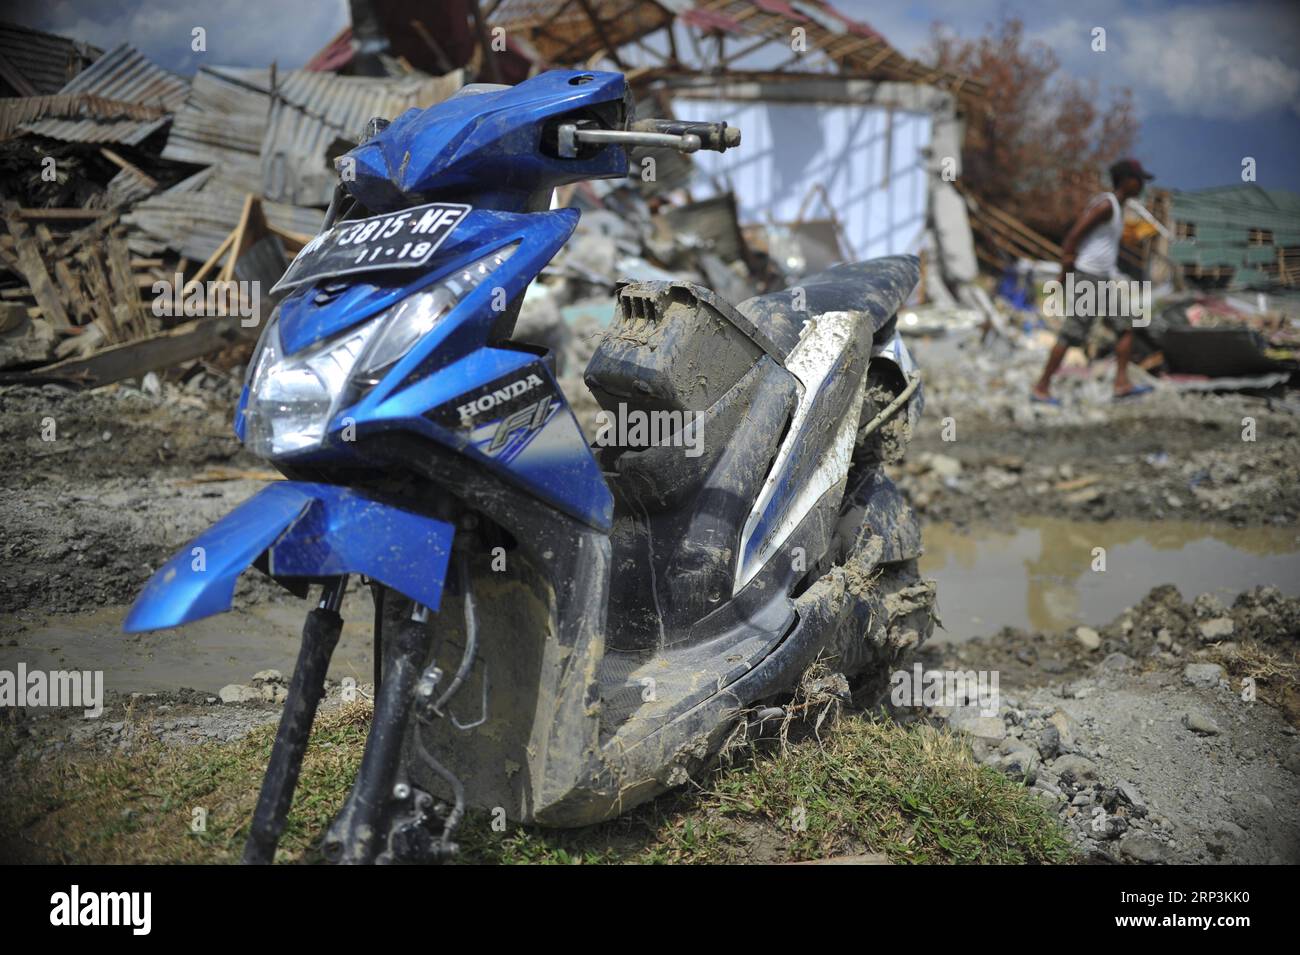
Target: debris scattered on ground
point(1170, 741)
point(982, 451)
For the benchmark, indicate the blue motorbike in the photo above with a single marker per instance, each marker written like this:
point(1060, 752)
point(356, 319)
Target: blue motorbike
point(560, 633)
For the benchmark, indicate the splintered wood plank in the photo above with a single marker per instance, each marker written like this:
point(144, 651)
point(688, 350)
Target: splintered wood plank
point(81, 236)
point(126, 291)
point(32, 267)
point(131, 360)
point(72, 294)
point(35, 214)
point(101, 293)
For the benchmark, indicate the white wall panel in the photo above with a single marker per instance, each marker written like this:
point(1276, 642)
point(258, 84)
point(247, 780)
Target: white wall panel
point(787, 148)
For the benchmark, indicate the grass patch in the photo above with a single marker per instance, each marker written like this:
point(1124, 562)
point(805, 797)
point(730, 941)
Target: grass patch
point(1275, 670)
point(913, 793)
point(139, 807)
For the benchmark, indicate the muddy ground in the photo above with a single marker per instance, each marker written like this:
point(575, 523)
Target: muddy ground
point(983, 452)
point(101, 487)
point(125, 477)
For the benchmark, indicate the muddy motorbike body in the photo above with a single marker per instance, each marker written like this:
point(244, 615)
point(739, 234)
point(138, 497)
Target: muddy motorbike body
point(560, 633)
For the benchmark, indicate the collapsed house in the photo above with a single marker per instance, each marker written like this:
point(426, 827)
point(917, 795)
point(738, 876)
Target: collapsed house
point(132, 194)
point(129, 180)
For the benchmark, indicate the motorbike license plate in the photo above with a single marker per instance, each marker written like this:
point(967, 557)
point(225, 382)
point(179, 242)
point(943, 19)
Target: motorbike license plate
point(395, 240)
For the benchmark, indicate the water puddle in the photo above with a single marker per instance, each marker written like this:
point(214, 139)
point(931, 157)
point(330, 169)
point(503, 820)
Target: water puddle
point(204, 655)
point(1037, 575)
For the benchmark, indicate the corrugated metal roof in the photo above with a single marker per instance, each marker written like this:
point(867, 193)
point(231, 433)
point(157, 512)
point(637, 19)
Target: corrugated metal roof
point(16, 112)
point(35, 63)
point(126, 75)
point(223, 119)
point(310, 110)
point(195, 216)
point(127, 187)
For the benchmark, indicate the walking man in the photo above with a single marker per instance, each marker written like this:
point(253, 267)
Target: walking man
point(1091, 252)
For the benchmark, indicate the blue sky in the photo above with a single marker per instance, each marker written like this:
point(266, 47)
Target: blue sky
point(1214, 80)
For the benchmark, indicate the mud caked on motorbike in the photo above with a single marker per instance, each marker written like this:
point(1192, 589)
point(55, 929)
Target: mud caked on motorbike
point(560, 632)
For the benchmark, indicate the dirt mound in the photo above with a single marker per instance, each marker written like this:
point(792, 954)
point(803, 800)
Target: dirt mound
point(102, 486)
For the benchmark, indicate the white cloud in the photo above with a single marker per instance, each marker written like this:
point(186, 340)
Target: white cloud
point(1201, 70)
point(239, 32)
point(1229, 61)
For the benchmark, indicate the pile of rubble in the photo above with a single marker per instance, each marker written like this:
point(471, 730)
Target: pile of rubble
point(1168, 735)
point(136, 201)
point(126, 185)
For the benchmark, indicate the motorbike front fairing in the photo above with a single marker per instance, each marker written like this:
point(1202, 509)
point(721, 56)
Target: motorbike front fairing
point(458, 384)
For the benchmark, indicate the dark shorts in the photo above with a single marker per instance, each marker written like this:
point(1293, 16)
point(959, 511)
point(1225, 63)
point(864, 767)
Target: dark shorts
point(1075, 327)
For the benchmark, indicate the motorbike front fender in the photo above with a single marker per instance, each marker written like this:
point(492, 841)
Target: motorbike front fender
point(305, 530)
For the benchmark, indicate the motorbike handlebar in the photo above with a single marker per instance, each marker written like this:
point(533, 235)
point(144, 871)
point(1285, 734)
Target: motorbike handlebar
point(662, 133)
point(718, 137)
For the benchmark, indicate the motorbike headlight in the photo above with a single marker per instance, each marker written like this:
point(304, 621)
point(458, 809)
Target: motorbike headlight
point(291, 400)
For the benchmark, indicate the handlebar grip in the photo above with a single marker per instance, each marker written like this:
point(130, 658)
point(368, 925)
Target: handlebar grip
point(718, 137)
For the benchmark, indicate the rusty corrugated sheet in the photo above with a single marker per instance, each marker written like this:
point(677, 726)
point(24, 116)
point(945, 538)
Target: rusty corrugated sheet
point(19, 111)
point(310, 110)
point(35, 63)
point(123, 75)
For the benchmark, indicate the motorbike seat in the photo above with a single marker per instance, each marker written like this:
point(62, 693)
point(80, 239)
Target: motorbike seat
point(873, 289)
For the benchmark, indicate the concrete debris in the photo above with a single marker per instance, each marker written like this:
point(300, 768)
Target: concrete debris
point(1157, 762)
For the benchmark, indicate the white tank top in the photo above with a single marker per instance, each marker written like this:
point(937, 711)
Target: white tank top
point(1099, 251)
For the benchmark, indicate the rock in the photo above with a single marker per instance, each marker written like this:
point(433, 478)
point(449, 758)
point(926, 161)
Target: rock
point(1200, 723)
point(1049, 742)
point(268, 676)
point(1117, 663)
point(1216, 629)
point(1205, 675)
point(968, 720)
point(1019, 763)
point(1064, 728)
point(1103, 825)
point(1130, 792)
point(273, 693)
point(944, 466)
point(1208, 606)
point(1049, 801)
point(1292, 761)
point(238, 693)
point(1078, 768)
point(1229, 832)
point(1089, 638)
point(1141, 847)
point(1164, 638)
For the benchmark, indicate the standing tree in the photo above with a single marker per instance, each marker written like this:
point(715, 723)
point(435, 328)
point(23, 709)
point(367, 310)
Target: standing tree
point(1040, 146)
